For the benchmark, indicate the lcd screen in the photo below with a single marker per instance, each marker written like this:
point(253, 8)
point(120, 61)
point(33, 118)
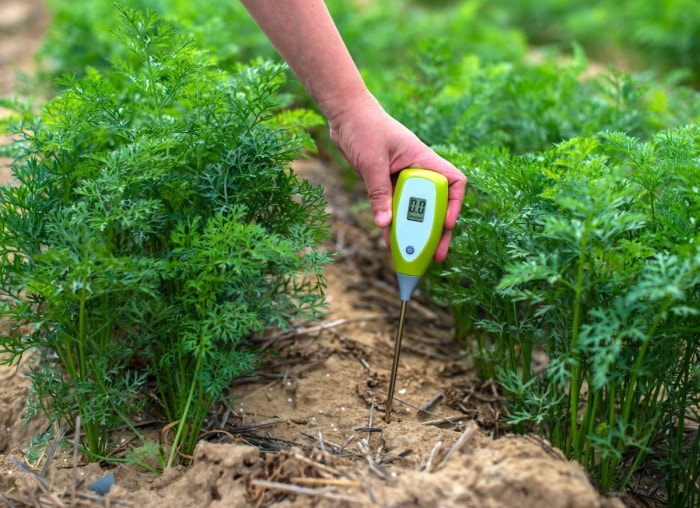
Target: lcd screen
point(416, 209)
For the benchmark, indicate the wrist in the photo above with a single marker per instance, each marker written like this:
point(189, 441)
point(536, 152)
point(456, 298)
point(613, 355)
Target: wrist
point(340, 109)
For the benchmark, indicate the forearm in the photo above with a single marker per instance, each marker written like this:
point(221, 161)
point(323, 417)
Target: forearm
point(372, 141)
point(305, 35)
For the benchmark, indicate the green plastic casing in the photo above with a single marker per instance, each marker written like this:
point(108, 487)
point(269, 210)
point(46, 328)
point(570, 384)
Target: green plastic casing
point(418, 183)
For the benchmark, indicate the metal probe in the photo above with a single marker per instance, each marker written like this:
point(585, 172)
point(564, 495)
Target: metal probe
point(419, 208)
point(395, 363)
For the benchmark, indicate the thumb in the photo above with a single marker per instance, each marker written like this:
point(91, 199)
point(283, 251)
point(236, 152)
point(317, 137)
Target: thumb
point(380, 193)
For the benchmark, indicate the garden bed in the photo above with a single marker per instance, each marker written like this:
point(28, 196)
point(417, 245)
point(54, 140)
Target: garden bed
point(297, 434)
point(308, 429)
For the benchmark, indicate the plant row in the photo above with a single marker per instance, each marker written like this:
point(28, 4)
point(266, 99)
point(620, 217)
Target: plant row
point(574, 271)
point(153, 226)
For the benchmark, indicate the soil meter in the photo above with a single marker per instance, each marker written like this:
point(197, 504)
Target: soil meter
point(419, 208)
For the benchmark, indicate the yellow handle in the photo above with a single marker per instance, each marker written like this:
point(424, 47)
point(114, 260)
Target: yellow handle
point(413, 258)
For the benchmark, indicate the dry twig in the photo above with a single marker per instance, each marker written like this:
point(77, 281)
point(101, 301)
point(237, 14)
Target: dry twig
point(429, 465)
point(317, 465)
point(256, 425)
point(304, 491)
point(328, 482)
point(320, 327)
point(444, 419)
point(468, 434)
point(425, 409)
point(52, 450)
point(408, 404)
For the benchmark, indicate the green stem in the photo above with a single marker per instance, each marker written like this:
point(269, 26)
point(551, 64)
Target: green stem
point(185, 413)
point(526, 359)
point(631, 395)
point(82, 334)
point(610, 464)
point(575, 385)
point(153, 83)
point(555, 435)
point(91, 427)
point(65, 353)
point(632, 386)
point(513, 337)
point(588, 423)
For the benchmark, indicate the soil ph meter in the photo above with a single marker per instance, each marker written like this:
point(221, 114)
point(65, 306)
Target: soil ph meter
point(419, 208)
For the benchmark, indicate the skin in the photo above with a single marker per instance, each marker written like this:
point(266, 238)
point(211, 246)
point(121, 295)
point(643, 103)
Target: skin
point(375, 144)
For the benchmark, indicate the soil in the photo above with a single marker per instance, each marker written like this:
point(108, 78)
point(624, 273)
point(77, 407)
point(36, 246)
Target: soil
point(308, 429)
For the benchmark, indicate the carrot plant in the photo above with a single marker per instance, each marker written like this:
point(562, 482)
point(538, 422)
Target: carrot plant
point(155, 222)
point(588, 252)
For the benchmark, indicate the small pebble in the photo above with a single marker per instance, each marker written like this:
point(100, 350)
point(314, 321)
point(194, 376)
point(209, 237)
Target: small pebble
point(103, 485)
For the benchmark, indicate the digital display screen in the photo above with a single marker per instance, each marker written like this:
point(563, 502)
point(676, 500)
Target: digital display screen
point(416, 209)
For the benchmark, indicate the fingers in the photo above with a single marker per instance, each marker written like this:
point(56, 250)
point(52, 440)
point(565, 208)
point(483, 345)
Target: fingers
point(380, 190)
point(380, 193)
point(443, 246)
point(387, 237)
point(377, 146)
point(455, 197)
point(454, 206)
point(457, 184)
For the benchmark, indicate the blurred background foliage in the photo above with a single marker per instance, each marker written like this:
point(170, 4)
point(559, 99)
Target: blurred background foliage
point(658, 35)
point(517, 74)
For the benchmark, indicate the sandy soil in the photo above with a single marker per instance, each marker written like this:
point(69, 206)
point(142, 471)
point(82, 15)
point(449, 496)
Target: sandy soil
point(308, 429)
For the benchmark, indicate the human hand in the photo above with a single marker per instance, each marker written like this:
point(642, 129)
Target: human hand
point(377, 146)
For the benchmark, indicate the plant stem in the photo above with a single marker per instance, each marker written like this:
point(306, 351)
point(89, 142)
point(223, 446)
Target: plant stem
point(574, 439)
point(82, 334)
point(608, 466)
point(589, 424)
point(91, 434)
point(185, 413)
point(631, 387)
